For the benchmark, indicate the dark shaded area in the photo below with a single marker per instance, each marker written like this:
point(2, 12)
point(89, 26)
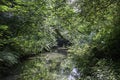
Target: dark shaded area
point(63, 42)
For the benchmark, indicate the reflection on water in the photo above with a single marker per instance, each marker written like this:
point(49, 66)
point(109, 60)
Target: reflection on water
point(70, 75)
point(74, 74)
point(53, 66)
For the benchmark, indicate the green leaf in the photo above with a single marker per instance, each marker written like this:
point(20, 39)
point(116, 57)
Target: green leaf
point(3, 27)
point(4, 8)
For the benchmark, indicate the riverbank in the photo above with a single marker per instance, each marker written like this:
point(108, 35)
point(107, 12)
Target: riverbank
point(46, 65)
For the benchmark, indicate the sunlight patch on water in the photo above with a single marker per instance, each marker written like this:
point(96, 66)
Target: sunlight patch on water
point(75, 74)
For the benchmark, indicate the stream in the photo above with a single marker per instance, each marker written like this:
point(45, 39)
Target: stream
point(54, 65)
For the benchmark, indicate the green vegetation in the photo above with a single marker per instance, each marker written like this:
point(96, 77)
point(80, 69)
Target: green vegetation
point(29, 28)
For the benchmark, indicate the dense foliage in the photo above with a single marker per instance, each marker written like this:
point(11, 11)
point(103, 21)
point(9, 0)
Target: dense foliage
point(31, 26)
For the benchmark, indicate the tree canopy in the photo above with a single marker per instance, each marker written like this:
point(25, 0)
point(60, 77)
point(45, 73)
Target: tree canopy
point(32, 26)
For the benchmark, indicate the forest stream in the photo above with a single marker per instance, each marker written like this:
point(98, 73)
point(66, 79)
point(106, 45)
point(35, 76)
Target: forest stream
point(53, 65)
point(59, 39)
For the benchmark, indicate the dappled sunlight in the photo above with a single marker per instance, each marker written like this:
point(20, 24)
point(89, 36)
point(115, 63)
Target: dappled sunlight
point(59, 40)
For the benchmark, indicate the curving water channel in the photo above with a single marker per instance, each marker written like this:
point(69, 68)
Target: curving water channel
point(48, 66)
